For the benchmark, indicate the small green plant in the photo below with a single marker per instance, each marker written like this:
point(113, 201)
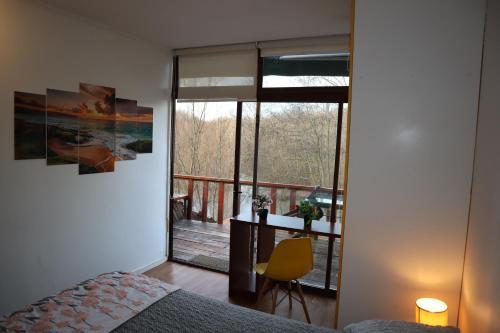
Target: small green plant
point(260, 205)
point(261, 202)
point(310, 210)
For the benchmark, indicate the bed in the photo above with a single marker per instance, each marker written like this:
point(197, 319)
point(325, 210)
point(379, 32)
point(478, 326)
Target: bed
point(124, 302)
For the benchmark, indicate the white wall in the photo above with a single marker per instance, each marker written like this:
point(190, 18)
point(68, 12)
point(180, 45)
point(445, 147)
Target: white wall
point(56, 227)
point(414, 103)
point(480, 302)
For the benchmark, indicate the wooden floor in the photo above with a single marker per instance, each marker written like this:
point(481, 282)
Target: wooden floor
point(207, 245)
point(215, 285)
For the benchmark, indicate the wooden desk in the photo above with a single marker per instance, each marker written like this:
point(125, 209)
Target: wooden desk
point(242, 278)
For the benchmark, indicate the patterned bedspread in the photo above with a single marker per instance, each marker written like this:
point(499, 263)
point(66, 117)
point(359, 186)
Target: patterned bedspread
point(96, 305)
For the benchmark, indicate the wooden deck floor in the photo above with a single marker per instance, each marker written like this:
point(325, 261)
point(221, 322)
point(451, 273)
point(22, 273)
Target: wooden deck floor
point(207, 245)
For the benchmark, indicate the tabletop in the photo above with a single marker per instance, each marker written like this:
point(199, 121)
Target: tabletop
point(290, 223)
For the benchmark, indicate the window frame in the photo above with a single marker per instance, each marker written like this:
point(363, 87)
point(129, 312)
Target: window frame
point(319, 94)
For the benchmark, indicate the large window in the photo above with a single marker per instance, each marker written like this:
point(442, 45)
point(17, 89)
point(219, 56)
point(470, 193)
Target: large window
point(276, 126)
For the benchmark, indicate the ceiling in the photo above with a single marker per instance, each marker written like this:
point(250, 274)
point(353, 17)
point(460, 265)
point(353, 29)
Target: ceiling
point(191, 23)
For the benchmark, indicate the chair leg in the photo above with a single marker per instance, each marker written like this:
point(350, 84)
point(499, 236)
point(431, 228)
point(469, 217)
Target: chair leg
point(275, 296)
point(263, 290)
point(302, 300)
point(289, 295)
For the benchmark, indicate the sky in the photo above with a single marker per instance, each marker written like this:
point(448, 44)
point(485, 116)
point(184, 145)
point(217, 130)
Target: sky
point(64, 102)
point(96, 102)
point(144, 114)
point(99, 102)
point(34, 102)
point(126, 109)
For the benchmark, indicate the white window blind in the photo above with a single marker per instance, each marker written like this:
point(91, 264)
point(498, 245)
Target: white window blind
point(218, 73)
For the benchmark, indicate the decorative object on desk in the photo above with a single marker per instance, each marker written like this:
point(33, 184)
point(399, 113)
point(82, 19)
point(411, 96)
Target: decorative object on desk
point(309, 210)
point(261, 204)
point(431, 311)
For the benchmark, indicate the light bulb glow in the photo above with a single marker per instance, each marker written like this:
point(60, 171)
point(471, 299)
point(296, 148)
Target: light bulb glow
point(431, 311)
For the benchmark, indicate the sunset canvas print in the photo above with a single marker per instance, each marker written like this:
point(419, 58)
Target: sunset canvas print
point(126, 129)
point(91, 128)
point(144, 143)
point(97, 129)
point(29, 126)
point(63, 108)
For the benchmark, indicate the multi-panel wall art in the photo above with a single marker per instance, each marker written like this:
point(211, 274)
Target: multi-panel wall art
point(90, 128)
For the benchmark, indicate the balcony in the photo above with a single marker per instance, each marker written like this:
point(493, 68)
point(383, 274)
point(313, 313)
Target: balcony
point(201, 222)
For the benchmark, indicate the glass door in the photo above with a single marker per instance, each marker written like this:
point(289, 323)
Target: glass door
point(297, 161)
point(203, 181)
point(301, 145)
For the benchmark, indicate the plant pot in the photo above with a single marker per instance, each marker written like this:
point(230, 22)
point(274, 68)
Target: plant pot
point(262, 213)
point(307, 223)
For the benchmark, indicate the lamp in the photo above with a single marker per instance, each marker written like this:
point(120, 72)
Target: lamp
point(431, 311)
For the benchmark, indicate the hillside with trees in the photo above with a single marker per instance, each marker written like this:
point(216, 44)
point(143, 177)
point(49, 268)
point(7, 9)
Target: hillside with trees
point(296, 146)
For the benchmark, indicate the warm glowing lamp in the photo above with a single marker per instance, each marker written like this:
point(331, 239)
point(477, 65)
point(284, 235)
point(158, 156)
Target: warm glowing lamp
point(431, 311)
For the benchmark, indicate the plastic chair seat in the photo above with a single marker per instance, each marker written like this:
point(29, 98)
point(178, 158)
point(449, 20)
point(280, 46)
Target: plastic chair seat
point(289, 261)
point(261, 268)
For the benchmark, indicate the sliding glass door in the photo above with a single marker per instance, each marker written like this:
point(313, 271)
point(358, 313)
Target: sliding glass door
point(297, 161)
point(303, 105)
point(212, 178)
point(203, 182)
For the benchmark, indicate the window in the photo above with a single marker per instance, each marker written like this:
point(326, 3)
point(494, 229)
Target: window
point(251, 121)
point(321, 70)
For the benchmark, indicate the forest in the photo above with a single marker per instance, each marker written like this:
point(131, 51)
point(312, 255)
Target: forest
point(296, 146)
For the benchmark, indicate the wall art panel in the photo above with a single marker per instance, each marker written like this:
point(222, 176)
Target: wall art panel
point(29, 126)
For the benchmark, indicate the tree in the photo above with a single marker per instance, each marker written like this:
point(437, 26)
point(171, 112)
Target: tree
point(297, 144)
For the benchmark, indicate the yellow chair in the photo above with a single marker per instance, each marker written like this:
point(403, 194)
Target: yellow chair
point(290, 260)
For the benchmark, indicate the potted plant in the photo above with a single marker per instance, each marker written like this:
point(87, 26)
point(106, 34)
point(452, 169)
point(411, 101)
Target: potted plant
point(309, 210)
point(261, 204)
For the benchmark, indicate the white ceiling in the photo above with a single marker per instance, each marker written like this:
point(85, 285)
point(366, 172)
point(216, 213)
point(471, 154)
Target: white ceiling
point(190, 23)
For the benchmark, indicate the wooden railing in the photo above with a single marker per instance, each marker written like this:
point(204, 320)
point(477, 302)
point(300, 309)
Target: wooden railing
point(188, 198)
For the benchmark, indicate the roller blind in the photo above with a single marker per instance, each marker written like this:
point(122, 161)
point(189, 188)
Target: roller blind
point(229, 72)
point(218, 74)
point(335, 44)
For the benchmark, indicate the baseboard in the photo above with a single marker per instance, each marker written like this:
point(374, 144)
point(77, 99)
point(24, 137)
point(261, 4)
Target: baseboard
point(152, 265)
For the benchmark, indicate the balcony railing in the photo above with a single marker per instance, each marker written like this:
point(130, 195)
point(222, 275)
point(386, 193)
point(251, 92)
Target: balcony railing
point(221, 182)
